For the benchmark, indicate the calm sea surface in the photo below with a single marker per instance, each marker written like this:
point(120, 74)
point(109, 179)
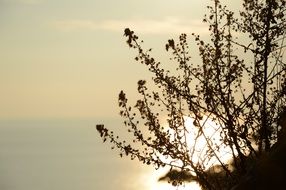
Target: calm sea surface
point(66, 155)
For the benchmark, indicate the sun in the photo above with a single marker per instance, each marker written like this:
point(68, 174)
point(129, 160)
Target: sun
point(199, 146)
point(212, 132)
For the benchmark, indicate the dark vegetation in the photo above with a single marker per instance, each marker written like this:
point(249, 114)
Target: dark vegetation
point(239, 84)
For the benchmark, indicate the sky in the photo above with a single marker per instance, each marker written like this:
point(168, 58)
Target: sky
point(69, 59)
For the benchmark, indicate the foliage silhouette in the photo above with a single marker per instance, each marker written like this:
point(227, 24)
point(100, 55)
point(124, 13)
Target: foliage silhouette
point(245, 98)
point(269, 171)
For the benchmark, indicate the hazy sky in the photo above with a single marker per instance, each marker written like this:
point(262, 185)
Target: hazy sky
point(68, 58)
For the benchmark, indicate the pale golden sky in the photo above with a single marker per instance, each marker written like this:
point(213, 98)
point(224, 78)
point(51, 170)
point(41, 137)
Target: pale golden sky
point(68, 58)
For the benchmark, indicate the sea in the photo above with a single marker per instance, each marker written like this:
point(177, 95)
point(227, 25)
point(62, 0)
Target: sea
point(68, 154)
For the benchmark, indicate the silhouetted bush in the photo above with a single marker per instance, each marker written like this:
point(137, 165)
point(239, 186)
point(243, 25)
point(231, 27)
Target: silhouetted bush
point(239, 85)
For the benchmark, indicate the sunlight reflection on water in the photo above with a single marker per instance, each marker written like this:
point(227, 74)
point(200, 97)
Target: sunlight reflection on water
point(149, 179)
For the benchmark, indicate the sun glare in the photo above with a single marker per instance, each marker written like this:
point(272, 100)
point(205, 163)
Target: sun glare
point(212, 132)
point(199, 145)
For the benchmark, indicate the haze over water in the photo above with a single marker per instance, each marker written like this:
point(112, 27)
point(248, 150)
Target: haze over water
point(65, 155)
